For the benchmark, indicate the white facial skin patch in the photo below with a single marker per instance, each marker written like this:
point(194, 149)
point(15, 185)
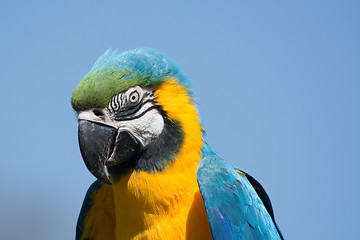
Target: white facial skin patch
point(146, 128)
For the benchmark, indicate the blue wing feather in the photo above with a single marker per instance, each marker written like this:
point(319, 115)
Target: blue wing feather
point(87, 204)
point(234, 208)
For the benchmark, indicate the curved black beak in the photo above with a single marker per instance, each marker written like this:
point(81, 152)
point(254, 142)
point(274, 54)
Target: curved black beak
point(96, 141)
point(102, 145)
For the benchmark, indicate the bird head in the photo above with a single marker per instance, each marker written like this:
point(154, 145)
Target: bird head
point(136, 113)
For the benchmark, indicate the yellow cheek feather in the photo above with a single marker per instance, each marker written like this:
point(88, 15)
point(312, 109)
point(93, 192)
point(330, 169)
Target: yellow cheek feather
point(167, 204)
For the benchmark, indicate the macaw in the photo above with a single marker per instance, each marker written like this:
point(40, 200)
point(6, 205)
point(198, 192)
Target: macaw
point(140, 136)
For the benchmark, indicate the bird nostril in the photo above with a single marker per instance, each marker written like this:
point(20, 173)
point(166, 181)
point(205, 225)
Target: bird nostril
point(98, 112)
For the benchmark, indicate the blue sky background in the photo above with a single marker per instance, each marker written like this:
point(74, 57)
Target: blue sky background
point(278, 83)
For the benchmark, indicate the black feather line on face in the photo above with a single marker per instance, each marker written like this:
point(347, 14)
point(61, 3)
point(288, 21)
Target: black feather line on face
point(162, 151)
point(129, 113)
point(158, 155)
point(122, 109)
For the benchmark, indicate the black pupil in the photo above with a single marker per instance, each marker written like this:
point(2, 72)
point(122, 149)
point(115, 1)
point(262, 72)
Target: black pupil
point(133, 97)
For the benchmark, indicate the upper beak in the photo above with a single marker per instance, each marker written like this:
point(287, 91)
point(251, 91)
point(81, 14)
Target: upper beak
point(102, 145)
point(95, 142)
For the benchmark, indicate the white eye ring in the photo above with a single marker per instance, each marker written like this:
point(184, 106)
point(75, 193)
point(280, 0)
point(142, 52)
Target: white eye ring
point(134, 97)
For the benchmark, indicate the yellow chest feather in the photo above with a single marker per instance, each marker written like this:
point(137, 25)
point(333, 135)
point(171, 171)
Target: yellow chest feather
point(160, 207)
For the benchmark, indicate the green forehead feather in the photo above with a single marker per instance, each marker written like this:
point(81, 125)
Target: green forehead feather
point(116, 72)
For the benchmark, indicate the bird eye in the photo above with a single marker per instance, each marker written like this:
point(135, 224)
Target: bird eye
point(134, 97)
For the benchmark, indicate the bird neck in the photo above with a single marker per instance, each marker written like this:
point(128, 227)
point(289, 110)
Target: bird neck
point(158, 202)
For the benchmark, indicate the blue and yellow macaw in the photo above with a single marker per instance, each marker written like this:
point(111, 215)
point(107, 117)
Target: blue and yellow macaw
point(141, 137)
